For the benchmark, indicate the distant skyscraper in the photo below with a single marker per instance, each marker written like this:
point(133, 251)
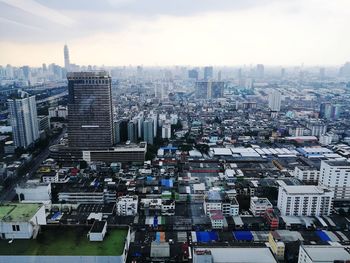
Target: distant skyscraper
point(148, 130)
point(275, 100)
point(322, 73)
point(208, 73)
point(260, 71)
point(121, 131)
point(132, 130)
point(193, 74)
point(90, 114)
point(209, 89)
point(283, 73)
point(66, 58)
point(23, 116)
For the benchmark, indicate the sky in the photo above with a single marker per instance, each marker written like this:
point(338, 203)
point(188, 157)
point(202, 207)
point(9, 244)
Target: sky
point(175, 32)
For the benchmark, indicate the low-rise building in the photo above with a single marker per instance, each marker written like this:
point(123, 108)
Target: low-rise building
point(307, 174)
point(33, 191)
point(127, 205)
point(21, 221)
point(323, 254)
point(216, 219)
point(258, 206)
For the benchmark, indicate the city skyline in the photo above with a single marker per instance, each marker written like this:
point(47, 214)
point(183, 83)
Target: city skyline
point(123, 32)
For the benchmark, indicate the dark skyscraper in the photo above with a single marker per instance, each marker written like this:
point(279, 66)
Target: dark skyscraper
point(90, 114)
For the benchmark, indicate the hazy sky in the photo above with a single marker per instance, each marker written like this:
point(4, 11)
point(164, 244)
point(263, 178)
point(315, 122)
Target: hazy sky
point(169, 32)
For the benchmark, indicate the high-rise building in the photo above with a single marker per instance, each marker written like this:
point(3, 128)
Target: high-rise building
point(329, 111)
point(148, 130)
point(23, 116)
point(209, 89)
point(90, 113)
point(336, 176)
point(304, 200)
point(132, 130)
point(121, 131)
point(283, 73)
point(166, 131)
point(193, 74)
point(275, 100)
point(208, 73)
point(260, 71)
point(66, 58)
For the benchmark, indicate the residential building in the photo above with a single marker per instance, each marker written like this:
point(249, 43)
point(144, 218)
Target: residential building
point(58, 112)
point(277, 245)
point(34, 191)
point(215, 200)
point(127, 205)
point(148, 131)
point(304, 200)
point(336, 176)
point(258, 206)
point(307, 174)
point(23, 118)
point(216, 219)
point(275, 100)
point(166, 131)
point(21, 221)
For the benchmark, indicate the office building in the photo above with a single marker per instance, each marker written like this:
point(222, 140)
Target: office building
point(66, 58)
point(275, 100)
point(148, 130)
point(24, 120)
point(336, 176)
point(304, 200)
point(90, 114)
point(208, 73)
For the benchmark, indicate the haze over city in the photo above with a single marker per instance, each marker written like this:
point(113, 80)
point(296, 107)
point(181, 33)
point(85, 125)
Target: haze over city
point(162, 32)
point(198, 131)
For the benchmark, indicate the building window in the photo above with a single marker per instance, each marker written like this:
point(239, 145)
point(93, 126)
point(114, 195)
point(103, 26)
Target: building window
point(15, 228)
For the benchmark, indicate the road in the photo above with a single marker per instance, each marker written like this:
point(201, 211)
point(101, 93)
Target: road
point(9, 193)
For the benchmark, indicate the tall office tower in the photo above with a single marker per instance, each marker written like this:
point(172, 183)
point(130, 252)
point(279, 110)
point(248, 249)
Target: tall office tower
point(240, 78)
point(275, 100)
point(23, 116)
point(90, 113)
point(260, 71)
point(208, 73)
point(66, 58)
point(336, 176)
point(326, 110)
point(132, 130)
point(148, 130)
point(209, 89)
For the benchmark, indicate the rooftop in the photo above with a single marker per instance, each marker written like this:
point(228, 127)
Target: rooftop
point(18, 212)
point(327, 253)
point(304, 189)
point(67, 241)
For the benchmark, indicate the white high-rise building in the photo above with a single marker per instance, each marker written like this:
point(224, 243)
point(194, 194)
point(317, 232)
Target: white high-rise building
point(148, 130)
point(23, 116)
point(166, 131)
point(304, 200)
point(275, 101)
point(66, 58)
point(336, 176)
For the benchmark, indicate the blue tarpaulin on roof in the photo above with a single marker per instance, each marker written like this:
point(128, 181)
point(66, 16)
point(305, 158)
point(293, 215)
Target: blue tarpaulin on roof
point(167, 183)
point(243, 235)
point(206, 237)
point(149, 179)
point(158, 237)
point(155, 221)
point(321, 234)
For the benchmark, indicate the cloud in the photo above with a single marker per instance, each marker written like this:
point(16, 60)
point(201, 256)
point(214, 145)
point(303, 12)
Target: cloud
point(36, 9)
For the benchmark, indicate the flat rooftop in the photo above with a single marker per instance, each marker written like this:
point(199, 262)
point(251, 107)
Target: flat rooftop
point(304, 189)
point(327, 253)
point(241, 255)
point(66, 241)
point(18, 212)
